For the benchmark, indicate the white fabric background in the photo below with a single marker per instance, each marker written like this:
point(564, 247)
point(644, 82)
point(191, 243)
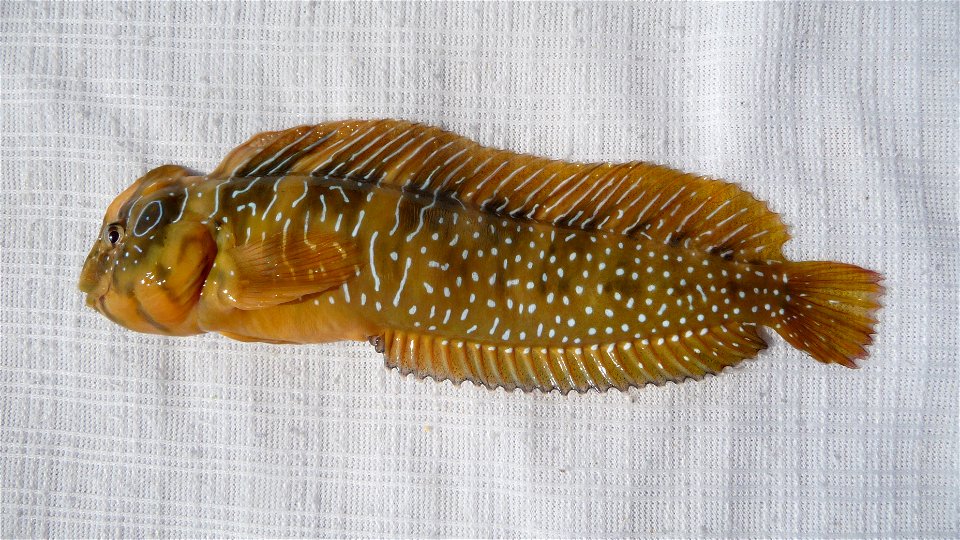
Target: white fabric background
point(843, 116)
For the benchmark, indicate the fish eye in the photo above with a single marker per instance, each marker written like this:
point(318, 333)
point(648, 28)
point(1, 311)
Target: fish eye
point(113, 234)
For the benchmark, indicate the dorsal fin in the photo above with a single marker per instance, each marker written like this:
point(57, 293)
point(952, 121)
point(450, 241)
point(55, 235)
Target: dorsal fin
point(618, 365)
point(636, 199)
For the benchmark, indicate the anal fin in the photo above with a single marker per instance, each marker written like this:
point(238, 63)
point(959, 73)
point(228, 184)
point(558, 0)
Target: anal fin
point(620, 365)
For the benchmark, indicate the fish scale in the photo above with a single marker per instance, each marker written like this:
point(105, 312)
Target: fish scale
point(462, 262)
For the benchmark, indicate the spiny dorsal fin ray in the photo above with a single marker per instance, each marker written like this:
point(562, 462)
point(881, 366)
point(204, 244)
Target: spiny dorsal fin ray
point(637, 199)
point(611, 365)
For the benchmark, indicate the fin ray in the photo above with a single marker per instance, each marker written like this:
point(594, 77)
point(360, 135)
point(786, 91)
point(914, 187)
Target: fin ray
point(601, 366)
point(266, 273)
point(832, 310)
point(705, 213)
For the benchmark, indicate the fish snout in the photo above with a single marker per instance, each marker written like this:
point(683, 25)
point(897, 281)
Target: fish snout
point(88, 277)
point(94, 281)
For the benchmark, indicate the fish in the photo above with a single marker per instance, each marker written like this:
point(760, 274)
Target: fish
point(462, 262)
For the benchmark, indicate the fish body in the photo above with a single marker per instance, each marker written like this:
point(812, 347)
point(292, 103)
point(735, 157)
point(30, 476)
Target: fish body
point(467, 263)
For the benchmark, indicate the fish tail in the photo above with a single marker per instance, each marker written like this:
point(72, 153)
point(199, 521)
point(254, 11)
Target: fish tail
point(830, 310)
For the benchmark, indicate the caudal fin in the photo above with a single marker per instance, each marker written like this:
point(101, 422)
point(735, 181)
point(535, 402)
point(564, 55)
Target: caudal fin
point(831, 310)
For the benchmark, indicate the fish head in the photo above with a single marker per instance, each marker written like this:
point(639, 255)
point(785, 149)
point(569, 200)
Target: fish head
point(149, 263)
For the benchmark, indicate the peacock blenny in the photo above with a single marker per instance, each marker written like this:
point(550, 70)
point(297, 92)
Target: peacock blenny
point(463, 262)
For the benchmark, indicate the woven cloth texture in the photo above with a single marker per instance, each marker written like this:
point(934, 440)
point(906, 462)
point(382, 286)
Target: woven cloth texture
point(843, 116)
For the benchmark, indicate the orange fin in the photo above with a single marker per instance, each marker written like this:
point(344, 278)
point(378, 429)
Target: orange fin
point(831, 310)
point(272, 272)
point(636, 199)
point(612, 365)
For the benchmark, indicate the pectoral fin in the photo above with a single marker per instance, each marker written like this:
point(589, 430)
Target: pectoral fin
point(271, 272)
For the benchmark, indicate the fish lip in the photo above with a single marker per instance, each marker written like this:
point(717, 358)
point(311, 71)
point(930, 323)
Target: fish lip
point(94, 299)
point(89, 280)
point(86, 285)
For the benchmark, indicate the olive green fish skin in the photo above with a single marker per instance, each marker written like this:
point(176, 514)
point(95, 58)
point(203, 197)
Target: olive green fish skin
point(469, 263)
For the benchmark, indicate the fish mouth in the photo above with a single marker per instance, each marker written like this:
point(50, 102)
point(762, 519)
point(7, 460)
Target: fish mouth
point(89, 280)
point(86, 285)
point(99, 303)
point(96, 291)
